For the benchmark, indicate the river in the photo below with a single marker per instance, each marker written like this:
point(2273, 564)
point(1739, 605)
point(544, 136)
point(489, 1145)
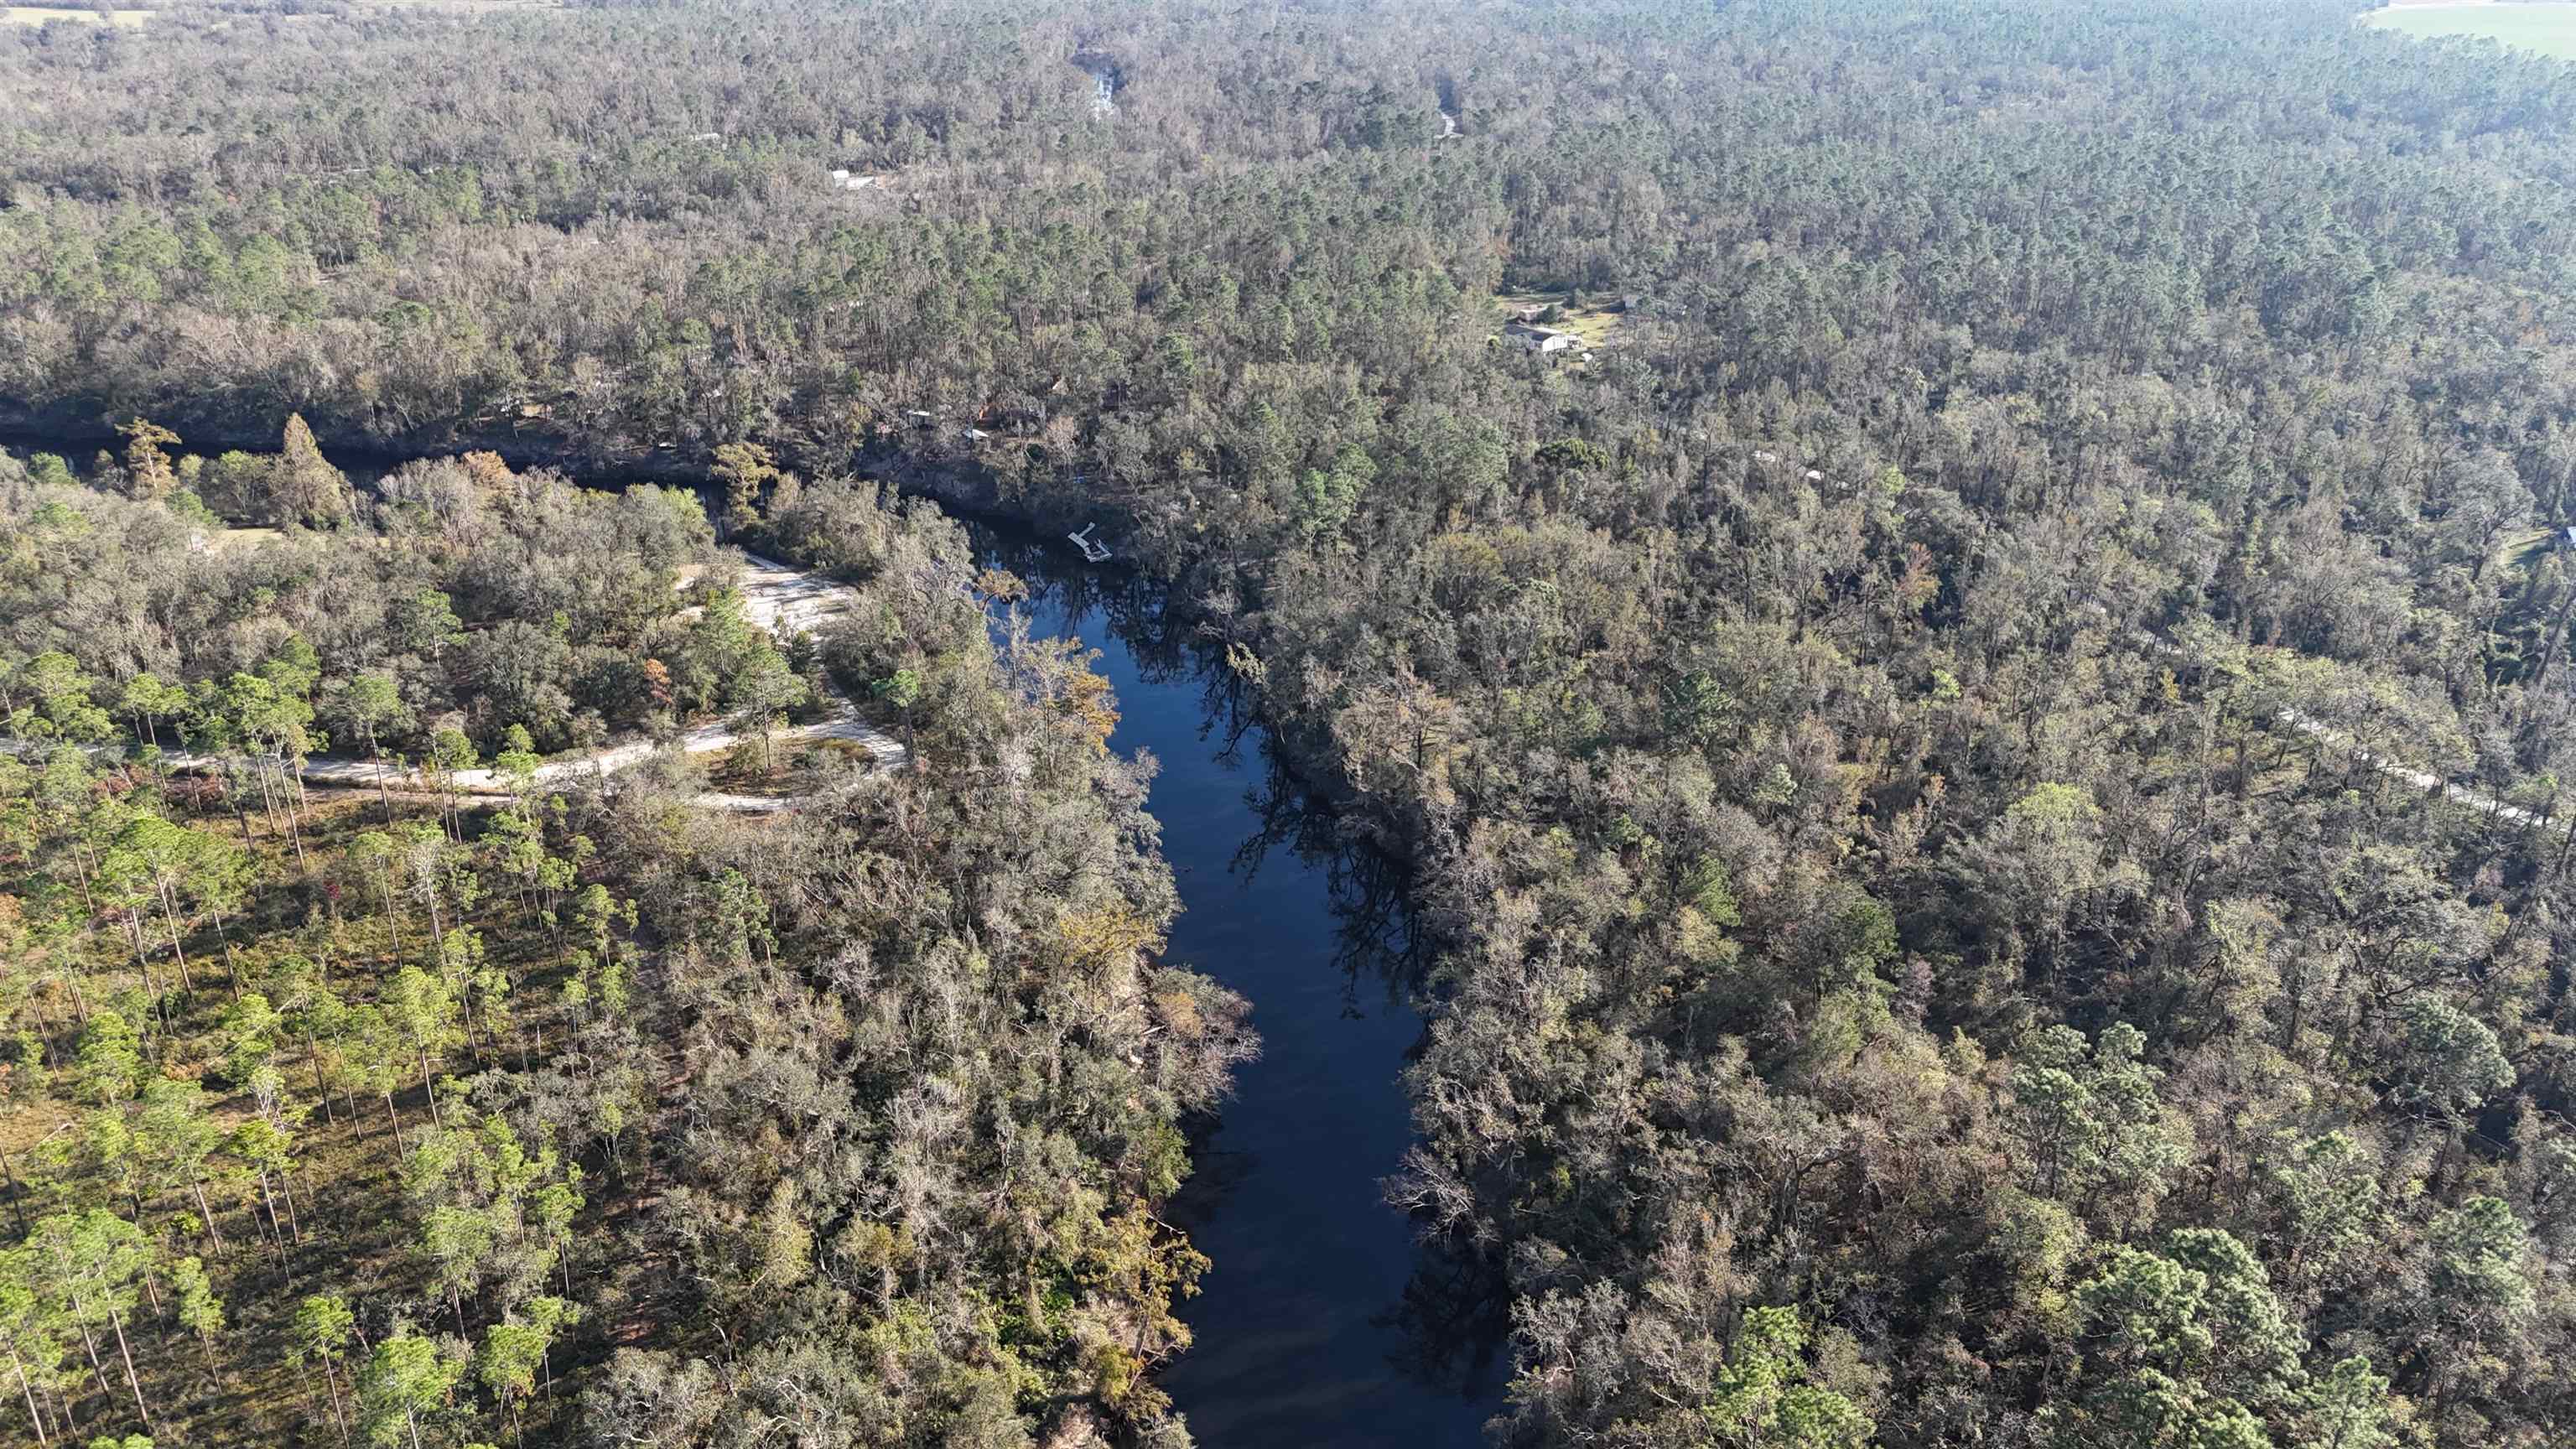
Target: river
point(1320, 1321)
point(1302, 1337)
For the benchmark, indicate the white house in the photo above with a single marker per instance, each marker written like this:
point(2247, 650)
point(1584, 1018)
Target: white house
point(1541, 340)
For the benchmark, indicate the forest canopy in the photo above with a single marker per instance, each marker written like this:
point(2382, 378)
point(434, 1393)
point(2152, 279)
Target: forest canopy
point(347, 1113)
point(1982, 760)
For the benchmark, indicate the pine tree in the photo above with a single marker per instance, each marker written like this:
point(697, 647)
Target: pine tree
point(148, 474)
point(324, 1327)
point(407, 1376)
point(196, 1307)
point(309, 489)
point(745, 468)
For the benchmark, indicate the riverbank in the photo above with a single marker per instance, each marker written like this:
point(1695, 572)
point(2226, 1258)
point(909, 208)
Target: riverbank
point(1312, 1263)
point(779, 594)
point(1314, 1270)
point(75, 430)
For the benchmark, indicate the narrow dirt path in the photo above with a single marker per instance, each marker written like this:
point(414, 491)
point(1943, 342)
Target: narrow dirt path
point(787, 601)
point(2394, 769)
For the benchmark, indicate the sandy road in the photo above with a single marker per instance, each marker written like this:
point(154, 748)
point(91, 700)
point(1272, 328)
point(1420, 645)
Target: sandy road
point(787, 601)
point(2394, 769)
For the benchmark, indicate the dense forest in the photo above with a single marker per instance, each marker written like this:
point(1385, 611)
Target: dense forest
point(1909, 745)
point(357, 1115)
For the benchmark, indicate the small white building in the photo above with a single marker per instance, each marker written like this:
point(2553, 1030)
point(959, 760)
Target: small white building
point(1542, 340)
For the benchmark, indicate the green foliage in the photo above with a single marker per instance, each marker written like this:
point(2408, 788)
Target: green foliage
point(1327, 497)
point(110, 1063)
point(900, 690)
point(2091, 1120)
point(193, 1300)
point(1905, 760)
point(1762, 1397)
point(406, 1378)
point(324, 1325)
point(2477, 1252)
point(2192, 1347)
point(2451, 1064)
point(514, 1351)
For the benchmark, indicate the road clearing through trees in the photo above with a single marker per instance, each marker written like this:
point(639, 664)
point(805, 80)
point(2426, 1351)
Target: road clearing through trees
point(787, 601)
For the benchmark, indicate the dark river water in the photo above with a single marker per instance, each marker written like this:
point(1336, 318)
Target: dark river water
point(1307, 1333)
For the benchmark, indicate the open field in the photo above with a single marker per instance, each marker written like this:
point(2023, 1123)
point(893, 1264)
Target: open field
point(232, 538)
point(1588, 319)
point(39, 14)
point(2549, 29)
point(2525, 549)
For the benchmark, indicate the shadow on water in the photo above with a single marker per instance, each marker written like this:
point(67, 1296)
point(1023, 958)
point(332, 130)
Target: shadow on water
point(1322, 1322)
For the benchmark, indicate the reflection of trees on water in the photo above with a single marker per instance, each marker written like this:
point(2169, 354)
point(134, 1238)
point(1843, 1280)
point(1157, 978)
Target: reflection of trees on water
point(1453, 1317)
point(1454, 1320)
point(1367, 889)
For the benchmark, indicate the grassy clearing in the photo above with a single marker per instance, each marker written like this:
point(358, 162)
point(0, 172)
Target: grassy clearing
point(39, 14)
point(2549, 29)
point(796, 768)
point(1588, 317)
point(233, 538)
point(2524, 550)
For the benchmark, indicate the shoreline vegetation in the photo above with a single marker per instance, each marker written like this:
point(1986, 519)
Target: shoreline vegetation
point(456, 1033)
point(1897, 754)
